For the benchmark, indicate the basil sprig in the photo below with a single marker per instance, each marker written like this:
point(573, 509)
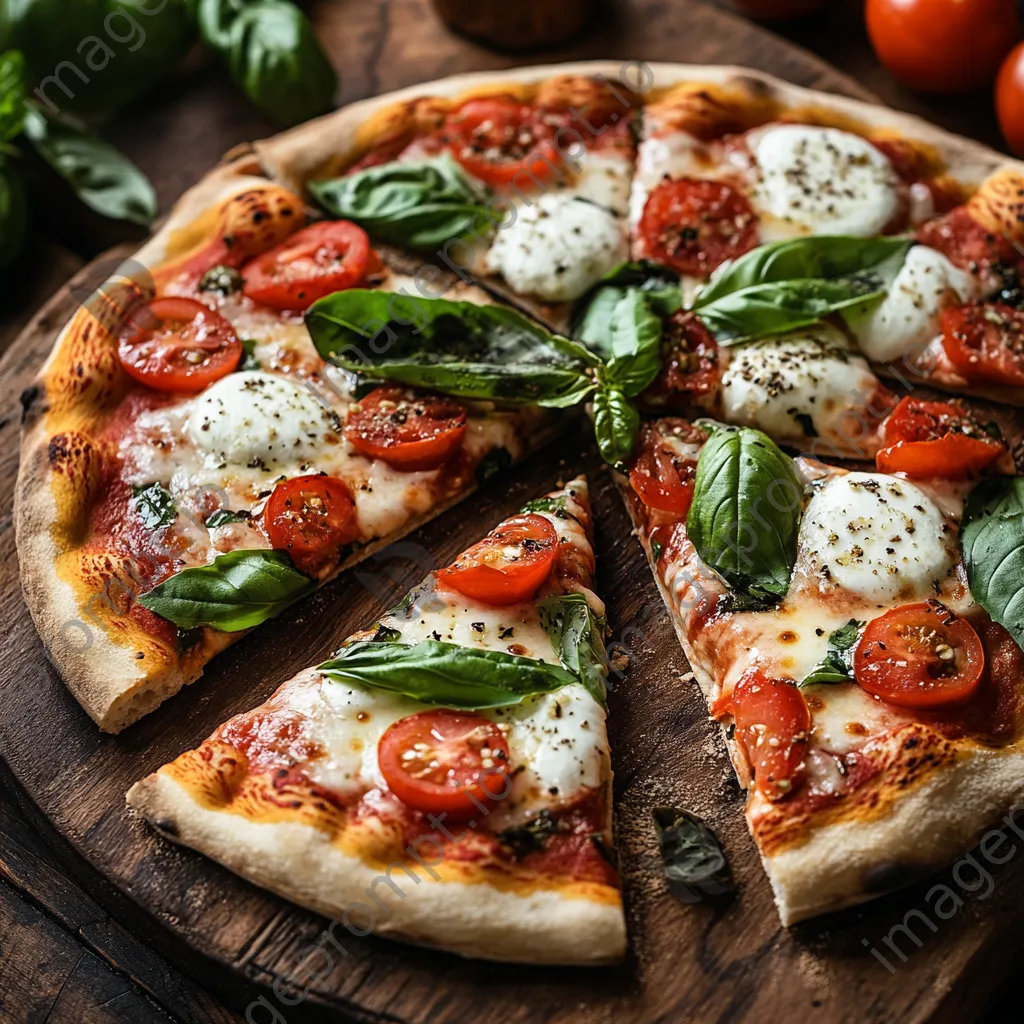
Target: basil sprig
point(154, 504)
point(694, 862)
point(746, 513)
point(992, 536)
point(237, 591)
point(420, 204)
point(458, 348)
point(436, 672)
point(785, 286)
point(577, 637)
point(837, 665)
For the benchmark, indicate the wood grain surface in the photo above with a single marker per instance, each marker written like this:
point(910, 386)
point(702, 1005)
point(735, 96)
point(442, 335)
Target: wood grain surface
point(729, 962)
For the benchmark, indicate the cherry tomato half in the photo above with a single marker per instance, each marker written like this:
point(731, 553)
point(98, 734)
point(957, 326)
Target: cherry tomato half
point(689, 364)
point(178, 344)
point(965, 243)
point(1010, 99)
point(694, 226)
point(312, 518)
point(985, 341)
point(498, 139)
point(919, 656)
point(773, 724)
point(316, 261)
point(508, 565)
point(935, 439)
point(441, 761)
point(661, 476)
point(407, 430)
point(942, 45)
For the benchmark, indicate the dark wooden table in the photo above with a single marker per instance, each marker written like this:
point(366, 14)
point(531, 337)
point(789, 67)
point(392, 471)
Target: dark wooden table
point(63, 957)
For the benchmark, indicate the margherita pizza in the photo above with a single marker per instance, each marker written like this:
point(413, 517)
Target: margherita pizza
point(343, 331)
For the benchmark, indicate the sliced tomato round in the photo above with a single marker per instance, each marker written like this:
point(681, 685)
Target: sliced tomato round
point(408, 430)
point(694, 226)
point(919, 656)
point(316, 261)
point(661, 476)
point(965, 243)
point(311, 518)
point(443, 761)
point(499, 139)
point(985, 341)
point(773, 724)
point(508, 565)
point(935, 439)
point(178, 344)
point(689, 363)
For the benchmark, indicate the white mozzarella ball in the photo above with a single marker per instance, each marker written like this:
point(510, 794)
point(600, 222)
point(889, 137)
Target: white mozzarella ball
point(908, 317)
point(823, 180)
point(558, 247)
point(261, 420)
point(877, 536)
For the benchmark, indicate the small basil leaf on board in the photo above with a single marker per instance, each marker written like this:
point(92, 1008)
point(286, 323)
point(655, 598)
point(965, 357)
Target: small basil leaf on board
point(577, 638)
point(436, 672)
point(616, 422)
point(421, 204)
point(13, 215)
point(102, 178)
point(992, 537)
point(12, 96)
point(457, 348)
point(695, 865)
point(635, 345)
point(237, 591)
point(154, 504)
point(746, 512)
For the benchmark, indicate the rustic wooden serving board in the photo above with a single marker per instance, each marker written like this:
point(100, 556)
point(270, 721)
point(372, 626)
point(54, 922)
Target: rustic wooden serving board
point(727, 962)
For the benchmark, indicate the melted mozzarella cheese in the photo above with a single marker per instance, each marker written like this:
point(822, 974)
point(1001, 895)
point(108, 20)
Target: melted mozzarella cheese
point(877, 536)
point(777, 383)
point(602, 178)
point(822, 180)
point(907, 319)
point(254, 418)
point(558, 247)
point(845, 716)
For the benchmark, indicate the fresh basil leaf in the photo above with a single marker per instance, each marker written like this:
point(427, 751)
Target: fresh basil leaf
point(825, 257)
point(421, 204)
point(458, 348)
point(834, 668)
point(237, 591)
point(495, 462)
point(249, 360)
point(436, 672)
point(102, 178)
point(594, 312)
point(785, 286)
point(12, 96)
point(616, 422)
point(992, 536)
point(272, 54)
point(578, 640)
point(533, 835)
point(387, 634)
point(694, 862)
point(155, 505)
point(13, 215)
point(224, 516)
point(843, 638)
point(635, 345)
point(554, 506)
point(746, 512)
point(221, 280)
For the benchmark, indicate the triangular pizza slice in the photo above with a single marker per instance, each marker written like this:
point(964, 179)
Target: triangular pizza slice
point(444, 777)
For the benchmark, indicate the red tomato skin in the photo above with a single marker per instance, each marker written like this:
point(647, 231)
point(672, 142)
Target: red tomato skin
point(472, 576)
point(985, 341)
point(1010, 100)
point(661, 479)
point(467, 782)
point(690, 365)
point(942, 46)
point(314, 540)
point(777, 10)
point(276, 279)
point(206, 325)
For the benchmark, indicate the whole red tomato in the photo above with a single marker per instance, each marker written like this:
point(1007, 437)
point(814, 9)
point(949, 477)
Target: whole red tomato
point(771, 10)
point(1010, 99)
point(943, 45)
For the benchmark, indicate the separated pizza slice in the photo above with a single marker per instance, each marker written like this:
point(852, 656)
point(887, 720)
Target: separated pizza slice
point(191, 465)
point(444, 777)
point(857, 634)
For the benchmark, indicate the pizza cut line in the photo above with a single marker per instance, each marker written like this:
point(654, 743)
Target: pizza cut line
point(343, 332)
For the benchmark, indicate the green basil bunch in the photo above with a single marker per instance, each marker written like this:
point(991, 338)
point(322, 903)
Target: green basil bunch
point(272, 54)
